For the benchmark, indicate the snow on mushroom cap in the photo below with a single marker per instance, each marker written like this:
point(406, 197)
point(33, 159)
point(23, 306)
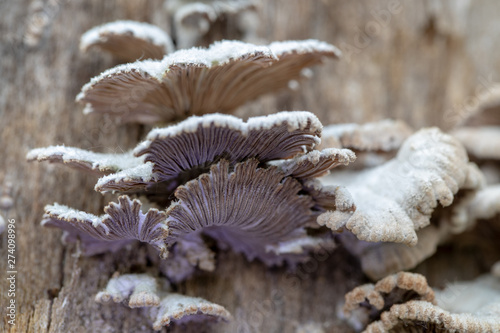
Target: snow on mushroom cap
point(129, 40)
point(390, 290)
point(397, 198)
point(164, 307)
point(315, 163)
point(141, 290)
point(181, 309)
point(199, 81)
point(99, 163)
point(181, 152)
point(461, 307)
point(122, 223)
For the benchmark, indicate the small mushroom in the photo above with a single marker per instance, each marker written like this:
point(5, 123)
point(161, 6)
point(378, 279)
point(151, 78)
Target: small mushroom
point(163, 307)
point(123, 222)
point(462, 307)
point(128, 40)
point(315, 163)
point(198, 81)
point(141, 290)
point(195, 22)
point(397, 198)
point(366, 303)
point(182, 309)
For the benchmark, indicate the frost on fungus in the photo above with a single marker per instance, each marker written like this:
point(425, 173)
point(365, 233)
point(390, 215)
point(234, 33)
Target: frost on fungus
point(405, 303)
point(262, 187)
point(128, 40)
point(198, 81)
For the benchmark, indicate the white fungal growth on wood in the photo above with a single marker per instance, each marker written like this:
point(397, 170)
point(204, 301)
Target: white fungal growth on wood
point(398, 198)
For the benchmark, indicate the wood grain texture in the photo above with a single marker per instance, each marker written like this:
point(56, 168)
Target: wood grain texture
point(417, 64)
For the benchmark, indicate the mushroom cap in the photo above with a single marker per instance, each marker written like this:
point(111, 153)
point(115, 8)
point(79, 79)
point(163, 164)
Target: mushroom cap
point(128, 40)
point(141, 290)
point(315, 163)
point(181, 309)
point(393, 289)
point(461, 307)
point(98, 163)
point(397, 198)
point(164, 307)
point(178, 153)
point(198, 81)
point(123, 222)
point(247, 209)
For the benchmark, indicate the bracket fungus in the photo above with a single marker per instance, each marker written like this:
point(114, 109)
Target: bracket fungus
point(98, 163)
point(366, 303)
point(197, 21)
point(198, 81)
point(404, 302)
point(128, 40)
point(123, 222)
point(397, 198)
point(211, 174)
point(164, 307)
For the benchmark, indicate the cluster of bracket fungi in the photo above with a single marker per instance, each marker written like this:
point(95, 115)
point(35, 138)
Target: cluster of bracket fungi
point(258, 187)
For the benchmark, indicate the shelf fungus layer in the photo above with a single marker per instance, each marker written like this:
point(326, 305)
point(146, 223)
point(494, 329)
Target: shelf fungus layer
point(397, 198)
point(98, 163)
point(461, 307)
point(249, 209)
point(195, 22)
point(162, 306)
point(198, 81)
point(128, 40)
point(365, 303)
point(123, 222)
point(181, 152)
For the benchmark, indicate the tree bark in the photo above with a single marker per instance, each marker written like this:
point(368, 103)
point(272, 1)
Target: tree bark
point(419, 61)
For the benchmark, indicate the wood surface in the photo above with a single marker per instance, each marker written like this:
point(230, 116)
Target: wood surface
point(421, 63)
